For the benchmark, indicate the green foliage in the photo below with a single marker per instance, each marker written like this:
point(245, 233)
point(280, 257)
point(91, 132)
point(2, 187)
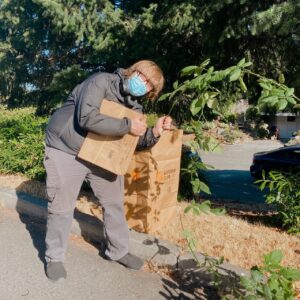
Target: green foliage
point(252, 114)
point(202, 92)
point(203, 208)
point(276, 96)
point(198, 93)
point(192, 181)
point(63, 83)
point(210, 263)
point(42, 38)
point(21, 142)
point(283, 191)
point(271, 281)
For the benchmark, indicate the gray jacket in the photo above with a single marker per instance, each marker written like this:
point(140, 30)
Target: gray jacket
point(70, 124)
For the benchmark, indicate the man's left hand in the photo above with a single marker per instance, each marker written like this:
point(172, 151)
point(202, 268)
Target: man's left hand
point(163, 123)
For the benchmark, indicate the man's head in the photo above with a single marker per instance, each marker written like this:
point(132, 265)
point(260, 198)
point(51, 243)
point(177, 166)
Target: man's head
point(144, 77)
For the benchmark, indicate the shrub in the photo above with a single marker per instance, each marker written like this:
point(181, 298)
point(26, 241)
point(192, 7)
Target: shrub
point(252, 114)
point(284, 192)
point(262, 131)
point(21, 142)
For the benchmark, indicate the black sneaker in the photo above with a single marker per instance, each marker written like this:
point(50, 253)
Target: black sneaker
point(131, 261)
point(55, 270)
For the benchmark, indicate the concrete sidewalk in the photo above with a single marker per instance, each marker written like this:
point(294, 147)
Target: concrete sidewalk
point(22, 230)
point(89, 276)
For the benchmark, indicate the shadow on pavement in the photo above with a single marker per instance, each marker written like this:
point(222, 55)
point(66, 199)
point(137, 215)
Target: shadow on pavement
point(193, 282)
point(186, 291)
point(232, 186)
point(35, 226)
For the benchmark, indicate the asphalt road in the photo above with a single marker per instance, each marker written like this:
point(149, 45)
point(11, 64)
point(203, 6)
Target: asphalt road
point(230, 180)
point(89, 276)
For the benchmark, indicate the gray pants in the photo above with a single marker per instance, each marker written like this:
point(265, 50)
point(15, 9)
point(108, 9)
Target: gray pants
point(65, 175)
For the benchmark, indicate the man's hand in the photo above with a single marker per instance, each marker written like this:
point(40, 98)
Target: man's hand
point(163, 123)
point(138, 126)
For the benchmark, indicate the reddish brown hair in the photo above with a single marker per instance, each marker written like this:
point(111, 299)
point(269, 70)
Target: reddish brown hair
point(152, 72)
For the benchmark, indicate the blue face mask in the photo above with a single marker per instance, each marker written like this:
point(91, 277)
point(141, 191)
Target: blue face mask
point(136, 86)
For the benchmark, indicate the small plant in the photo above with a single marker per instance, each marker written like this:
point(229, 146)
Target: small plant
point(192, 181)
point(271, 281)
point(284, 192)
point(210, 263)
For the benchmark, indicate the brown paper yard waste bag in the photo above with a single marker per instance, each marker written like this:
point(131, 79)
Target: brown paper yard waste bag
point(112, 153)
point(151, 184)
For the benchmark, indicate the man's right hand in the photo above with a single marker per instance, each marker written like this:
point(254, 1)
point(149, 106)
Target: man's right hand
point(138, 126)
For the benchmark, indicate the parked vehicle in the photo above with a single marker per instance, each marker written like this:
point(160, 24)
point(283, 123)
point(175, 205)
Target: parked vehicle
point(282, 159)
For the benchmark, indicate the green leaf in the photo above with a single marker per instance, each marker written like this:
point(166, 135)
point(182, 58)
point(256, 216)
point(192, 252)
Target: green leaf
point(241, 62)
point(257, 275)
point(204, 207)
point(218, 76)
point(218, 211)
point(196, 186)
point(187, 209)
point(247, 64)
point(164, 97)
point(247, 283)
point(273, 258)
point(204, 188)
point(263, 185)
point(281, 78)
point(282, 104)
point(273, 283)
point(290, 92)
point(269, 99)
point(204, 63)
point(210, 103)
point(278, 92)
point(242, 84)
point(267, 293)
point(235, 75)
point(291, 274)
point(175, 85)
point(196, 106)
point(188, 70)
point(265, 85)
point(291, 100)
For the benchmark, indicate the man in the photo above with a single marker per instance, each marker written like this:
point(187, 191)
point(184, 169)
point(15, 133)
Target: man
point(65, 134)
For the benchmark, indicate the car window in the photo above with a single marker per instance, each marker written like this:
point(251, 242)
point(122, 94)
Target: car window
point(296, 154)
point(291, 154)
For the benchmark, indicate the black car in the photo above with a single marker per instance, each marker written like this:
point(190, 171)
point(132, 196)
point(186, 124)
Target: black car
point(282, 159)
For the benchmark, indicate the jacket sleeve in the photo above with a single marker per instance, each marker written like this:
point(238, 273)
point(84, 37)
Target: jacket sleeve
point(147, 140)
point(90, 97)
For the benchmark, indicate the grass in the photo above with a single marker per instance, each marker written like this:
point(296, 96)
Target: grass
point(241, 242)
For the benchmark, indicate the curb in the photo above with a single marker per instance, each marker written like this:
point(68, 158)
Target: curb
point(160, 252)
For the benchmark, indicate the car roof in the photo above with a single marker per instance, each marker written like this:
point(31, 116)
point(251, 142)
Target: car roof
point(286, 148)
